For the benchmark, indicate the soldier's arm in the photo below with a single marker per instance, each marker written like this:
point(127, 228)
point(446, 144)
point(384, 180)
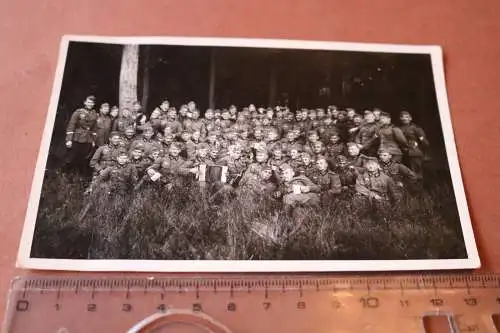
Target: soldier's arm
point(96, 158)
point(400, 137)
point(361, 188)
point(70, 129)
point(421, 135)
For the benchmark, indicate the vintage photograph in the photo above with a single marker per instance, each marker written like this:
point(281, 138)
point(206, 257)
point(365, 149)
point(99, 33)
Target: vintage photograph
point(205, 154)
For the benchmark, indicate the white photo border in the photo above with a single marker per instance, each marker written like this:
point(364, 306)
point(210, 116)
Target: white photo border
point(472, 261)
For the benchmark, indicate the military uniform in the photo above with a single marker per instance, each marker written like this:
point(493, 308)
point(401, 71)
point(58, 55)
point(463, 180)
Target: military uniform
point(416, 141)
point(235, 168)
point(103, 129)
point(148, 144)
point(81, 132)
point(392, 139)
point(398, 172)
point(367, 138)
point(306, 170)
point(120, 124)
point(118, 179)
point(104, 157)
point(370, 184)
point(328, 181)
point(293, 198)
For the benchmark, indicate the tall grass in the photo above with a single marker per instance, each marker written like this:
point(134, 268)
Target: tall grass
point(183, 224)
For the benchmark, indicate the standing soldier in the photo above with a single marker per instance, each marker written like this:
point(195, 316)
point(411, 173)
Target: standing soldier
point(367, 135)
point(391, 138)
point(80, 136)
point(103, 125)
point(417, 142)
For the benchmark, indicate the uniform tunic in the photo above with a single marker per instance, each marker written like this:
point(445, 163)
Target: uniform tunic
point(377, 183)
point(103, 129)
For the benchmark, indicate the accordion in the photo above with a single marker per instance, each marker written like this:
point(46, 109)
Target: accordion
point(212, 173)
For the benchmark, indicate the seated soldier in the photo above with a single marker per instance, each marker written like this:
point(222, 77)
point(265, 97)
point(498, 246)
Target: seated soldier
point(277, 158)
point(254, 169)
point(327, 180)
point(105, 156)
point(334, 147)
point(307, 166)
point(398, 172)
point(374, 186)
point(236, 164)
point(295, 158)
point(354, 158)
point(296, 190)
point(347, 173)
point(118, 179)
point(318, 149)
point(177, 165)
point(188, 146)
point(260, 185)
point(128, 137)
point(146, 140)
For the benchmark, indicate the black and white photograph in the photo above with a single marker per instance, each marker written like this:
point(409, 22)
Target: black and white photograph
point(214, 154)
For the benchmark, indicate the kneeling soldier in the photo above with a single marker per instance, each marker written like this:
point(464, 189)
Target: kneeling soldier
point(373, 185)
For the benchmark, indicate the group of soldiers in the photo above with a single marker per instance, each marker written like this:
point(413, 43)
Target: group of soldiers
point(300, 157)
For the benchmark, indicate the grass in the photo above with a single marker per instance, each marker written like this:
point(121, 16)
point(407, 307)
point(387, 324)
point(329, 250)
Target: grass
point(153, 224)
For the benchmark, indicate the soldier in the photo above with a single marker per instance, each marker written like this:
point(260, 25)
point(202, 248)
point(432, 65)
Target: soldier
point(155, 120)
point(235, 163)
point(128, 137)
point(258, 141)
point(163, 108)
point(103, 125)
point(177, 165)
point(296, 190)
point(367, 136)
point(226, 121)
point(375, 186)
point(277, 158)
point(253, 170)
point(188, 146)
point(171, 122)
point(124, 120)
point(105, 156)
point(80, 136)
point(232, 112)
point(202, 156)
point(192, 123)
point(146, 139)
point(261, 185)
point(312, 137)
point(391, 137)
point(209, 124)
point(398, 172)
point(356, 124)
point(417, 143)
point(294, 154)
point(318, 149)
point(328, 181)
point(119, 178)
point(334, 147)
point(347, 173)
point(138, 161)
point(354, 158)
point(113, 114)
point(307, 166)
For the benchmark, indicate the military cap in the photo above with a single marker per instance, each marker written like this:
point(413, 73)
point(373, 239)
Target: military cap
point(352, 144)
point(105, 104)
point(139, 146)
point(341, 159)
point(147, 128)
point(129, 128)
point(115, 133)
point(367, 159)
point(122, 152)
point(405, 113)
point(385, 114)
point(384, 150)
point(176, 145)
point(91, 98)
point(321, 157)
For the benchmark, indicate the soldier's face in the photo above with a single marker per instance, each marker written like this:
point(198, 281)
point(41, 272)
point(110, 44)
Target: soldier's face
point(168, 139)
point(196, 136)
point(183, 111)
point(261, 157)
point(342, 163)
point(322, 165)
point(334, 139)
point(148, 134)
point(115, 140)
point(277, 154)
point(313, 137)
point(172, 114)
point(353, 151)
point(266, 174)
point(226, 115)
point(122, 159)
point(164, 106)
point(370, 118)
point(244, 135)
point(185, 136)
point(129, 133)
point(272, 136)
point(136, 107)
point(212, 138)
point(371, 166)
point(320, 114)
point(405, 119)
point(191, 106)
point(287, 175)
point(136, 154)
point(104, 109)
point(235, 154)
point(351, 114)
point(214, 153)
point(385, 120)
point(89, 104)
point(317, 148)
point(232, 110)
point(126, 113)
point(294, 154)
point(202, 153)
point(155, 114)
point(384, 157)
point(376, 113)
point(357, 121)
point(335, 113)
point(258, 135)
point(327, 121)
point(298, 116)
point(174, 151)
point(266, 121)
point(209, 115)
point(306, 159)
point(114, 113)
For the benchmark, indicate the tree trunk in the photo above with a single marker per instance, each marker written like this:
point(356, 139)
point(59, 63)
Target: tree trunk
point(145, 79)
point(211, 88)
point(128, 76)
